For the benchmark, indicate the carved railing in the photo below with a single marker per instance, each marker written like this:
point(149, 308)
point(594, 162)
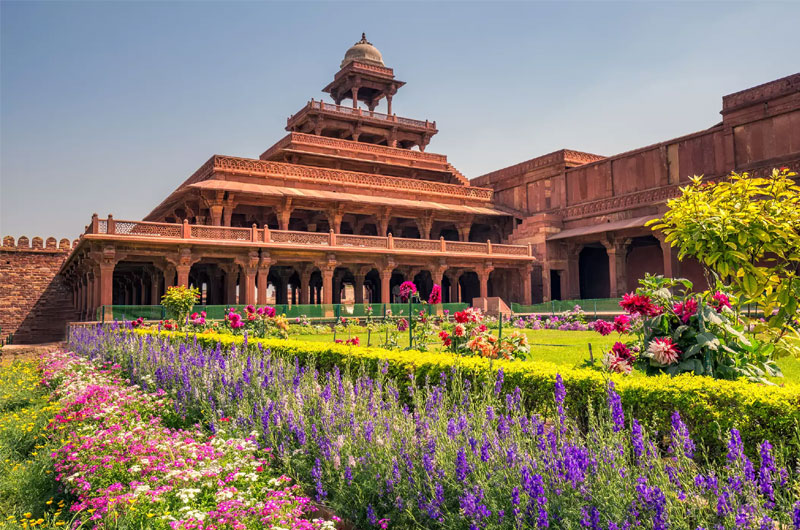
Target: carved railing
point(251, 166)
point(144, 231)
point(342, 110)
point(350, 145)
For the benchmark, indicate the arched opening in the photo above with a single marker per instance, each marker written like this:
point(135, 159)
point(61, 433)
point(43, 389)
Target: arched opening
point(424, 284)
point(470, 286)
point(555, 284)
point(644, 256)
point(372, 287)
point(480, 233)
point(446, 288)
point(394, 286)
point(410, 232)
point(343, 286)
point(593, 272)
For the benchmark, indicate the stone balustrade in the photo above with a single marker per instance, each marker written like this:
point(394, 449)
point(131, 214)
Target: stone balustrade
point(265, 237)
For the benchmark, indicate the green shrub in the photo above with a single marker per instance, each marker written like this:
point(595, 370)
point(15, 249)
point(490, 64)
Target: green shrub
point(708, 406)
point(179, 301)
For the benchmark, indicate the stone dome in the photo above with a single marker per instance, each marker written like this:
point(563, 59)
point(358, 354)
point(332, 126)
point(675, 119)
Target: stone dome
point(363, 52)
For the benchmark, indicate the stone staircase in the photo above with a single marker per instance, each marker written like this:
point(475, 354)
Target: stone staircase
point(457, 174)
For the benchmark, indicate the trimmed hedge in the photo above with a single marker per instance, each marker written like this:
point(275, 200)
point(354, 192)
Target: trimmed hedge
point(710, 407)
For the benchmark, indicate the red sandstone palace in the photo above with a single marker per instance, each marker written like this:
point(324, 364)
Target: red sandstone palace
point(351, 197)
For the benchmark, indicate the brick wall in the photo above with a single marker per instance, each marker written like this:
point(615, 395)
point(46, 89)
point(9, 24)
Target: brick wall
point(35, 302)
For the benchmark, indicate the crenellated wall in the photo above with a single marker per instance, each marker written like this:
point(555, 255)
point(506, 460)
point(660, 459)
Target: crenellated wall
point(35, 302)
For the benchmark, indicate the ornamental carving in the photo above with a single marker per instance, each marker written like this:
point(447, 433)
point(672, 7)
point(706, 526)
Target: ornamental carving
point(251, 166)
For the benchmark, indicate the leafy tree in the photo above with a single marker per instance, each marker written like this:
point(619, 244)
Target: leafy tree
point(179, 301)
point(746, 231)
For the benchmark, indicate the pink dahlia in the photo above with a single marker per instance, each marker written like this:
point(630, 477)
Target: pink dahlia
point(622, 323)
point(663, 350)
point(637, 304)
point(602, 327)
point(406, 290)
point(720, 300)
point(686, 310)
point(436, 294)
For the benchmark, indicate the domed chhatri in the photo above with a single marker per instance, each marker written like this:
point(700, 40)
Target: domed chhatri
point(363, 52)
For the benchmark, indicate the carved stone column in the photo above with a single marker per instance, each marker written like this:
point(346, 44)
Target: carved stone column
point(155, 281)
point(169, 276)
point(386, 281)
point(335, 219)
point(463, 231)
point(284, 214)
point(617, 253)
point(227, 211)
point(483, 275)
point(247, 292)
point(669, 256)
point(424, 224)
point(383, 221)
point(526, 272)
point(216, 213)
point(328, 267)
point(358, 287)
point(305, 285)
point(231, 274)
point(263, 273)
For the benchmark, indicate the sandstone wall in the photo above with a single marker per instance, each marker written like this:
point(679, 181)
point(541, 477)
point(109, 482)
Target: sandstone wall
point(35, 302)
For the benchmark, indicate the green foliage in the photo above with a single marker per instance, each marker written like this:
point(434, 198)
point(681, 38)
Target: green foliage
point(746, 231)
point(179, 301)
point(707, 405)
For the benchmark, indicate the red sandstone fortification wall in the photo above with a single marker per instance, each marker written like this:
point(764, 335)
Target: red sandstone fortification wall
point(35, 302)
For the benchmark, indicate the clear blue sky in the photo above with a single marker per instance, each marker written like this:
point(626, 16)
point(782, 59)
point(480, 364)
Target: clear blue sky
point(108, 106)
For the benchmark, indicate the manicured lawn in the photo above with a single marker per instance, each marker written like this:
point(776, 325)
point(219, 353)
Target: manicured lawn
point(570, 348)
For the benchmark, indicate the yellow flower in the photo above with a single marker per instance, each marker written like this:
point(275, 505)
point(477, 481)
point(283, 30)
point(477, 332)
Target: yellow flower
point(27, 515)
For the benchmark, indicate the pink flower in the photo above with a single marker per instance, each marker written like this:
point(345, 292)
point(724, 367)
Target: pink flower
point(459, 330)
point(602, 327)
point(720, 300)
point(406, 290)
point(686, 310)
point(637, 304)
point(622, 323)
point(436, 295)
point(663, 350)
point(402, 324)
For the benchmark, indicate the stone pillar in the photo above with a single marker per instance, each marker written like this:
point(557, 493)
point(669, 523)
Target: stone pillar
point(216, 213)
point(106, 281)
point(248, 291)
point(463, 231)
point(424, 224)
point(386, 279)
point(305, 286)
point(231, 275)
point(169, 276)
point(263, 273)
point(95, 292)
point(617, 253)
point(526, 284)
point(668, 255)
point(227, 211)
point(483, 276)
point(183, 274)
point(327, 285)
point(354, 93)
point(358, 287)
point(154, 289)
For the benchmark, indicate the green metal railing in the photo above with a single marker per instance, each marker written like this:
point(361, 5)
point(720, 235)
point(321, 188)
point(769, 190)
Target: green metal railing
point(590, 306)
point(332, 311)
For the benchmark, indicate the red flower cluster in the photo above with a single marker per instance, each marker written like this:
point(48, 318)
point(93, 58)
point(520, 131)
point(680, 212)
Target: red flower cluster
point(138, 322)
point(468, 315)
point(166, 324)
point(686, 310)
point(446, 340)
point(352, 342)
point(636, 304)
point(406, 290)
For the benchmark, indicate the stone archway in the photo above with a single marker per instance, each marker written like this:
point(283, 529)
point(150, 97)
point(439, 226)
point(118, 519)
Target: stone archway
point(593, 272)
point(470, 286)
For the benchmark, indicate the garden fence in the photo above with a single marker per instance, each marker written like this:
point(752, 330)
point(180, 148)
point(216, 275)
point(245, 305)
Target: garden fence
point(315, 312)
point(596, 306)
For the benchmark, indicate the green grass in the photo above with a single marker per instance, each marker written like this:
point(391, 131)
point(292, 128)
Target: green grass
point(568, 348)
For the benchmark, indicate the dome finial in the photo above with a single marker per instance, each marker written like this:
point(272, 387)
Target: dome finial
point(363, 52)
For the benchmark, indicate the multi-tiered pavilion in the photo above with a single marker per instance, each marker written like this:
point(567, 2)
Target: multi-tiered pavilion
point(349, 197)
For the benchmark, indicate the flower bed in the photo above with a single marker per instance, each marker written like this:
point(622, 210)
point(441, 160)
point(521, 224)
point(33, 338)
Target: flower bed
point(709, 406)
point(126, 468)
point(458, 454)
